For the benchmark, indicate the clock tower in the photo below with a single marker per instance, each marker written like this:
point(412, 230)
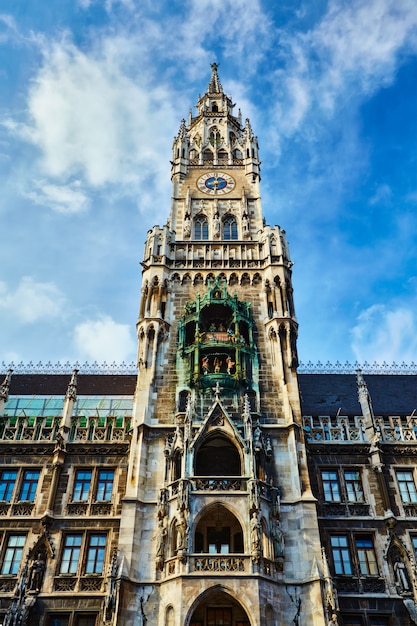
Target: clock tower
point(219, 524)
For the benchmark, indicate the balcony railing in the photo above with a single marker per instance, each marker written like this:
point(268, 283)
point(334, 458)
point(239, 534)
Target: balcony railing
point(26, 429)
point(219, 484)
point(344, 509)
point(392, 429)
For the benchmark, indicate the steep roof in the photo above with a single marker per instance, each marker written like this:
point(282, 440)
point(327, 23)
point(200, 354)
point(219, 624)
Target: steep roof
point(88, 384)
point(325, 394)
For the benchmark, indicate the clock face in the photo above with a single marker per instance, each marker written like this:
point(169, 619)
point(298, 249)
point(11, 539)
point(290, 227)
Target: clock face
point(215, 183)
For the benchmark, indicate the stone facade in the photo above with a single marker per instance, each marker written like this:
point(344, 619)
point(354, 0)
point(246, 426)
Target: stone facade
point(196, 493)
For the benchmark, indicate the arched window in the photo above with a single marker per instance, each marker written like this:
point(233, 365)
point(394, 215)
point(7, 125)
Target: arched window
point(201, 227)
point(218, 457)
point(169, 621)
point(176, 465)
point(218, 532)
point(229, 228)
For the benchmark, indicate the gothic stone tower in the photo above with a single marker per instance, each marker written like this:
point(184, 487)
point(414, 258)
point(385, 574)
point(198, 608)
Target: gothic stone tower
point(219, 524)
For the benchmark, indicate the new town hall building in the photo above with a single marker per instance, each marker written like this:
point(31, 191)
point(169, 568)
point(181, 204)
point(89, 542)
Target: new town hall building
point(215, 486)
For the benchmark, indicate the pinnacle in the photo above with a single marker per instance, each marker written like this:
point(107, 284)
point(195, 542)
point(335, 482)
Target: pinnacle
point(214, 84)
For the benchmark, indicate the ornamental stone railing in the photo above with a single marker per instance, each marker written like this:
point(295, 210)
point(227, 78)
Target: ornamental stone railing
point(81, 509)
point(83, 429)
point(89, 583)
point(324, 428)
point(410, 510)
point(219, 483)
point(219, 563)
point(392, 429)
point(28, 428)
point(344, 509)
point(99, 429)
point(7, 583)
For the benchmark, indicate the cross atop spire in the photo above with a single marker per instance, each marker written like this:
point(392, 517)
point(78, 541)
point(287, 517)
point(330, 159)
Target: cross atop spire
point(215, 85)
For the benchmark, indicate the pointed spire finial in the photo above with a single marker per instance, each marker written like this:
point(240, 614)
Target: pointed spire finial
point(214, 84)
point(5, 386)
point(72, 387)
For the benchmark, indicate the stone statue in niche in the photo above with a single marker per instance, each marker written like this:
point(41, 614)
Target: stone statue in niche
point(401, 577)
point(183, 495)
point(216, 224)
point(160, 545)
point(162, 504)
point(36, 573)
point(257, 434)
point(182, 532)
point(187, 225)
point(253, 495)
point(255, 533)
point(245, 225)
point(277, 537)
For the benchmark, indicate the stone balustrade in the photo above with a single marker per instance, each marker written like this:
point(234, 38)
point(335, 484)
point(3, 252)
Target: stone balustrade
point(83, 429)
point(392, 429)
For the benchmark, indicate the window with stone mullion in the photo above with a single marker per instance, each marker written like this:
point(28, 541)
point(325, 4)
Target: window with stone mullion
point(407, 486)
point(331, 485)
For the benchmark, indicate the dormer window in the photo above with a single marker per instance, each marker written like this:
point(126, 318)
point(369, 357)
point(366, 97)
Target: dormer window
point(214, 108)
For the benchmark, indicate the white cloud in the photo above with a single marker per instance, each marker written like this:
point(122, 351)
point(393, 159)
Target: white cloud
point(353, 51)
point(384, 334)
point(67, 199)
point(32, 301)
point(90, 120)
point(104, 339)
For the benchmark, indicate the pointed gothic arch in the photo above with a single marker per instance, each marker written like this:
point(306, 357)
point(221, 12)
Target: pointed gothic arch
point(399, 562)
point(230, 230)
point(201, 227)
point(217, 455)
point(219, 605)
point(170, 616)
point(218, 531)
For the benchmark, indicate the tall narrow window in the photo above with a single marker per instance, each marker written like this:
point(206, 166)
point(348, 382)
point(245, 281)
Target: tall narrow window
point(13, 554)
point(331, 486)
point(353, 484)
point(29, 485)
point(229, 228)
point(341, 555)
point(366, 556)
point(105, 485)
point(407, 486)
point(71, 554)
point(7, 483)
point(95, 554)
point(201, 228)
point(82, 484)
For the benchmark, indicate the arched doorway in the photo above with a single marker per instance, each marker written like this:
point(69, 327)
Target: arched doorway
point(218, 608)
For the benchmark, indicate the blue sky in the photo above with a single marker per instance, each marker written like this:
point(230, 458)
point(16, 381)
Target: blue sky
point(91, 95)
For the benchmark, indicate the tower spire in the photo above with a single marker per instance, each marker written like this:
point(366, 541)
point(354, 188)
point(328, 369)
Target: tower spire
point(215, 85)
